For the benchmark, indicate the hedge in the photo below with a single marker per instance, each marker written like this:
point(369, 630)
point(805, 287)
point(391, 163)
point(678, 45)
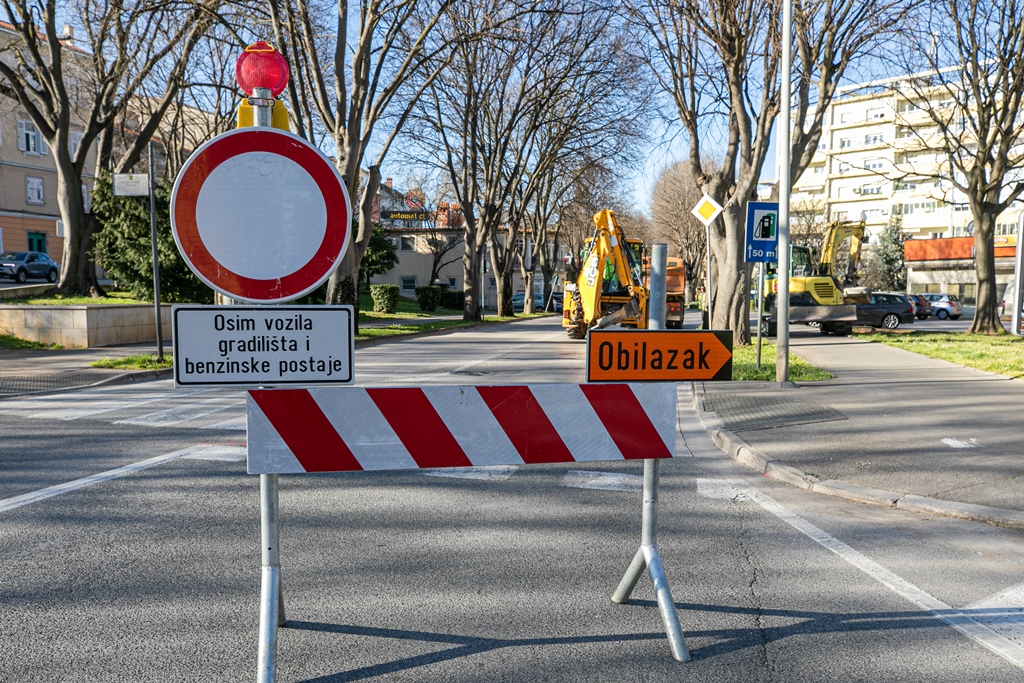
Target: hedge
point(429, 297)
point(385, 298)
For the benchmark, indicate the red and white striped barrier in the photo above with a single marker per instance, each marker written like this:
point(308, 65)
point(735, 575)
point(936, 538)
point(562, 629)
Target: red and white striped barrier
point(352, 428)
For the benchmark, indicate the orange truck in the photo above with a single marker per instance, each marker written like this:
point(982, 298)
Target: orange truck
point(675, 290)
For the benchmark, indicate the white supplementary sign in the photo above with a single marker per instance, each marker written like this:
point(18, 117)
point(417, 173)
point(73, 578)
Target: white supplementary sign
point(131, 185)
point(263, 346)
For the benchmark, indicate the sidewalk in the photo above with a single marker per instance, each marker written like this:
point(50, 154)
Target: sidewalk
point(892, 428)
point(29, 371)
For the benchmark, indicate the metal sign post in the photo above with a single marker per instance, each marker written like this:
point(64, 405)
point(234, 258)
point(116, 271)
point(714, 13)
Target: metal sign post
point(156, 257)
point(647, 556)
point(1018, 276)
point(783, 143)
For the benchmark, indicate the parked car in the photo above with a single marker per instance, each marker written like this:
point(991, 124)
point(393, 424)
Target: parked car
point(945, 306)
point(923, 307)
point(518, 299)
point(886, 309)
point(22, 265)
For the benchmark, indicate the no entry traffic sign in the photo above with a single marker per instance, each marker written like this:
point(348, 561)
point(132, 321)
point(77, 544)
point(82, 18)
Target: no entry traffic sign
point(260, 215)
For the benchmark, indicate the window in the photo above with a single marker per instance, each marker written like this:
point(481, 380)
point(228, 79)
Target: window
point(906, 107)
point(842, 215)
point(844, 167)
point(874, 138)
point(963, 231)
point(817, 170)
point(871, 215)
point(492, 284)
point(871, 189)
point(877, 113)
point(845, 143)
point(904, 132)
point(844, 117)
point(37, 242)
point(408, 282)
point(873, 164)
point(29, 139)
point(1006, 228)
point(408, 244)
point(74, 140)
point(452, 283)
point(86, 198)
point(905, 185)
point(34, 191)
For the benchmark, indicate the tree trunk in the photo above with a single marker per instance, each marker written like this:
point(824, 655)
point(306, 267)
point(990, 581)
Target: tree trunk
point(471, 277)
point(986, 314)
point(78, 271)
point(528, 294)
point(731, 282)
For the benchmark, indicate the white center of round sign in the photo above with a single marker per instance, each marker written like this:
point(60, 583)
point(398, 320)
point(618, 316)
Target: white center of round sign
point(247, 188)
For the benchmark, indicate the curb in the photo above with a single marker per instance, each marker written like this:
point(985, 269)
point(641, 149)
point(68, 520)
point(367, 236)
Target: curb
point(123, 378)
point(745, 454)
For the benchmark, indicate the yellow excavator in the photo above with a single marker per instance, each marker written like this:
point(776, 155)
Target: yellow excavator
point(610, 288)
point(816, 295)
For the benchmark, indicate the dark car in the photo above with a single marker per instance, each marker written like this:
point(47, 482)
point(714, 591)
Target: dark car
point(922, 305)
point(518, 299)
point(22, 265)
point(885, 309)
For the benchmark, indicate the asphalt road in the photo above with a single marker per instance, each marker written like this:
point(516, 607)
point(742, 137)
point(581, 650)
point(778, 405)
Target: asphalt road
point(501, 575)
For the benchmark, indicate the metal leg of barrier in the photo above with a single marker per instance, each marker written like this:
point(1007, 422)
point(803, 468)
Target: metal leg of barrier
point(271, 599)
point(647, 558)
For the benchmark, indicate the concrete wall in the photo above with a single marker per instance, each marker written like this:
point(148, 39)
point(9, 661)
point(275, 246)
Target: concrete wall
point(82, 326)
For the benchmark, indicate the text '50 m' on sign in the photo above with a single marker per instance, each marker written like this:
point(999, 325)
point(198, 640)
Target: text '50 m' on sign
point(656, 355)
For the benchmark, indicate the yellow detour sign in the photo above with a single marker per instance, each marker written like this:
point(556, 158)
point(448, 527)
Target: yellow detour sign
point(657, 355)
point(279, 118)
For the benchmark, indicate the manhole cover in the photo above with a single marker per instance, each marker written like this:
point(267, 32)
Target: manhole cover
point(739, 413)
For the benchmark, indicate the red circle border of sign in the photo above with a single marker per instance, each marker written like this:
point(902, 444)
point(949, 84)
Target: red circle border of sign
point(186, 229)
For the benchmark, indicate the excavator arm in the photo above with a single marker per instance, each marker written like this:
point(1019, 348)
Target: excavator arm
point(608, 277)
point(835, 234)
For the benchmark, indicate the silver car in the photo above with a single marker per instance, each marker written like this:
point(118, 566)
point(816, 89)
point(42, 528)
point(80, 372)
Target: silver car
point(22, 265)
point(945, 306)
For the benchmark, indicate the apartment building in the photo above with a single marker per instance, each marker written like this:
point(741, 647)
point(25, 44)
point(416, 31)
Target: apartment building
point(879, 156)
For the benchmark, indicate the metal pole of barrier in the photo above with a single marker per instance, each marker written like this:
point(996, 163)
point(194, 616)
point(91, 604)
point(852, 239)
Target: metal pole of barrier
point(271, 597)
point(271, 601)
point(647, 556)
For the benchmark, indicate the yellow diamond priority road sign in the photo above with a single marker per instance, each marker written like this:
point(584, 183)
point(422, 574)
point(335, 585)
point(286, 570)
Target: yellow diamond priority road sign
point(707, 210)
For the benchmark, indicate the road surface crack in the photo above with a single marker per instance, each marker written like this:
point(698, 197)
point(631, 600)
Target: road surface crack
point(755, 600)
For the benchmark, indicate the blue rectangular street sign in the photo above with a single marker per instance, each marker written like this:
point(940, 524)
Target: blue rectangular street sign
point(762, 233)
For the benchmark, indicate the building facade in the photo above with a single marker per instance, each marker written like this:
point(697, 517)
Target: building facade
point(880, 158)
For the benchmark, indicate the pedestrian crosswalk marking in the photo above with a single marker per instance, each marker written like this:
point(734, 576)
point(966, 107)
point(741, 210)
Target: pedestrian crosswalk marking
point(180, 414)
point(604, 481)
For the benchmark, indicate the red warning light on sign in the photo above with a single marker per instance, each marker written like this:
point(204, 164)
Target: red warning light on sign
point(261, 66)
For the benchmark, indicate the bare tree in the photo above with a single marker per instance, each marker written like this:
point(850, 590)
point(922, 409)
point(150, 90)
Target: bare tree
point(366, 64)
point(86, 85)
point(672, 200)
point(719, 61)
point(970, 91)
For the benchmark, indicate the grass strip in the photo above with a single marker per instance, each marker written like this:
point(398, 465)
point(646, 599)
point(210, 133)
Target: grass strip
point(744, 365)
point(59, 300)
point(138, 362)
point(1000, 353)
point(9, 342)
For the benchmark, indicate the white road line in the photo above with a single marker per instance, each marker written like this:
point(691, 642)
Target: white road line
point(219, 454)
point(604, 481)
point(1002, 612)
point(957, 443)
point(486, 473)
point(965, 624)
point(51, 491)
point(179, 414)
point(81, 410)
point(235, 424)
